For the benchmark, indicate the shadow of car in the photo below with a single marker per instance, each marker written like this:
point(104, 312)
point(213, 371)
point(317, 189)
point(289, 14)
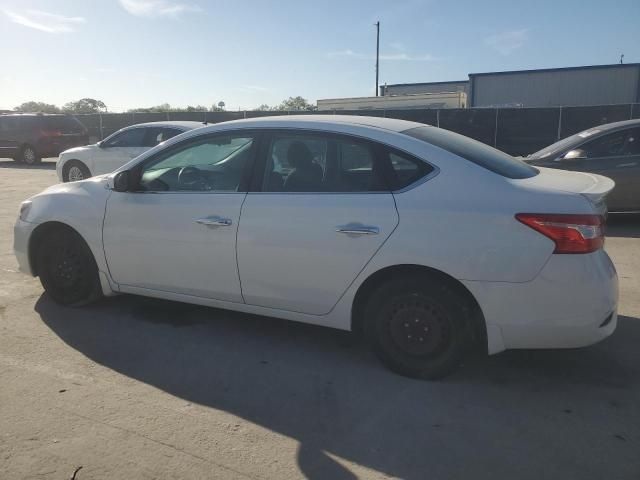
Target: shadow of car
point(508, 415)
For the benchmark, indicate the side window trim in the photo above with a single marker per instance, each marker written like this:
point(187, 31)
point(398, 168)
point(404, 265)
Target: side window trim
point(245, 180)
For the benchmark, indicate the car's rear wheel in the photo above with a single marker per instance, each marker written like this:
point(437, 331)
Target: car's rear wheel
point(29, 155)
point(74, 171)
point(67, 269)
point(418, 327)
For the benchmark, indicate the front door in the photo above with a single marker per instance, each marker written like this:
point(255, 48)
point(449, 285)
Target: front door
point(119, 149)
point(177, 231)
point(322, 212)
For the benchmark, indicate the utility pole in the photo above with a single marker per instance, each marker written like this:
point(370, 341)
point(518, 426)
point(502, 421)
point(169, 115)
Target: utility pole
point(377, 24)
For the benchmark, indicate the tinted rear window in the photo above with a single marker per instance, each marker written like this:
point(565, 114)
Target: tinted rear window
point(474, 151)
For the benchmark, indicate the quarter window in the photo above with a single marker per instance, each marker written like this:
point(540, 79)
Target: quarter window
point(214, 164)
point(405, 170)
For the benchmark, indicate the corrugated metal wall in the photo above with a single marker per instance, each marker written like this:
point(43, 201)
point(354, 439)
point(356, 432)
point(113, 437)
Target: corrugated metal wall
point(563, 87)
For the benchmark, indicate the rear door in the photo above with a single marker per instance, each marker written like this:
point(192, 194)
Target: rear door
point(320, 211)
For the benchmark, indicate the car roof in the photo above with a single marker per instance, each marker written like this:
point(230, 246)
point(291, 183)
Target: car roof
point(310, 120)
point(183, 125)
point(614, 125)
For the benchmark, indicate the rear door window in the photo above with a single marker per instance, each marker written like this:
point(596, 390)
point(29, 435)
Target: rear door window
point(318, 162)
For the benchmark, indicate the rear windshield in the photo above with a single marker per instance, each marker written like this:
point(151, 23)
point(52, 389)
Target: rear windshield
point(63, 123)
point(474, 151)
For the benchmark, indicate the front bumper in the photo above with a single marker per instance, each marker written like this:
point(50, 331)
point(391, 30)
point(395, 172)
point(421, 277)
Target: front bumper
point(21, 234)
point(565, 306)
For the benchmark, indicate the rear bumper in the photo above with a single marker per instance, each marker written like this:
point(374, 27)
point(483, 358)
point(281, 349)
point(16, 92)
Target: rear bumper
point(21, 234)
point(567, 305)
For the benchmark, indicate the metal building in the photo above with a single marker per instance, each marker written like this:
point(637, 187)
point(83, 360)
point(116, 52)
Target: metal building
point(573, 86)
point(552, 87)
point(430, 87)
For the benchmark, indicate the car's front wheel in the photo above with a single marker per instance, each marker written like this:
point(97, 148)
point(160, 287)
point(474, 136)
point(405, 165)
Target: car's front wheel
point(418, 327)
point(67, 269)
point(74, 171)
point(29, 155)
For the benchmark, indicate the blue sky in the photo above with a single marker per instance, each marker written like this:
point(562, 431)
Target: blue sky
point(132, 53)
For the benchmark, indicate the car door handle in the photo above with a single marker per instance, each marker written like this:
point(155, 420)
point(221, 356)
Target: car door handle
point(214, 221)
point(357, 229)
point(623, 165)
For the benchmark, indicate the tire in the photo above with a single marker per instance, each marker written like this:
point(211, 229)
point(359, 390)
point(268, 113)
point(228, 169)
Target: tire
point(75, 170)
point(67, 269)
point(29, 155)
point(418, 327)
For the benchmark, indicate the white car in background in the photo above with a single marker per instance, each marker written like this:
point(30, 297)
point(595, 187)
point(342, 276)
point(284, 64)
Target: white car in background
point(117, 149)
point(430, 243)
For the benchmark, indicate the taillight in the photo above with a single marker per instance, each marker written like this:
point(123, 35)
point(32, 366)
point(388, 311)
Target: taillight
point(571, 233)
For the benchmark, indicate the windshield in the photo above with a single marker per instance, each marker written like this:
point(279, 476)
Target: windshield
point(206, 154)
point(474, 151)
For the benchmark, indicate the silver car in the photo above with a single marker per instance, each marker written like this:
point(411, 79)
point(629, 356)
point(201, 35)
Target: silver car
point(612, 150)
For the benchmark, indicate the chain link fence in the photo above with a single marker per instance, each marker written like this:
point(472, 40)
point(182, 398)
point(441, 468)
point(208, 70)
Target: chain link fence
point(517, 131)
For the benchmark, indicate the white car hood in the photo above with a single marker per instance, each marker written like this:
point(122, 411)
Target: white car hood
point(76, 150)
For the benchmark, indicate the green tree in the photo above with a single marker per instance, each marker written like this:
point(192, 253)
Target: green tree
point(85, 105)
point(37, 107)
point(264, 108)
point(296, 104)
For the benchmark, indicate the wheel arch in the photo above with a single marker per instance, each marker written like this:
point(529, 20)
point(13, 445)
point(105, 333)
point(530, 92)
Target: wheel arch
point(39, 235)
point(68, 163)
point(377, 278)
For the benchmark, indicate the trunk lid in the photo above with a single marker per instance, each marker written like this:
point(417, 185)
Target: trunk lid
point(591, 186)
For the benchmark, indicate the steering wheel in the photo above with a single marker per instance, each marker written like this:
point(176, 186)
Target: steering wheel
point(192, 178)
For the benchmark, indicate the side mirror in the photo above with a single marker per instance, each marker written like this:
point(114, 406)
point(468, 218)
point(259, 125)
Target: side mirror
point(122, 181)
point(577, 154)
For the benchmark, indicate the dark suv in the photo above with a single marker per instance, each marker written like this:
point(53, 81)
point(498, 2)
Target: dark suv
point(27, 137)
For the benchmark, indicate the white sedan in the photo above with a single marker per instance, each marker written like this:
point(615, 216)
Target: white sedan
point(80, 163)
point(428, 242)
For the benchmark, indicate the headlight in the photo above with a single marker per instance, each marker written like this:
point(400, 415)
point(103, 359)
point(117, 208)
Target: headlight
point(24, 210)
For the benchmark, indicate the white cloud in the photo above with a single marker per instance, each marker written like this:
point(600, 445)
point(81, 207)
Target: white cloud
point(506, 43)
point(157, 8)
point(45, 21)
point(400, 56)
